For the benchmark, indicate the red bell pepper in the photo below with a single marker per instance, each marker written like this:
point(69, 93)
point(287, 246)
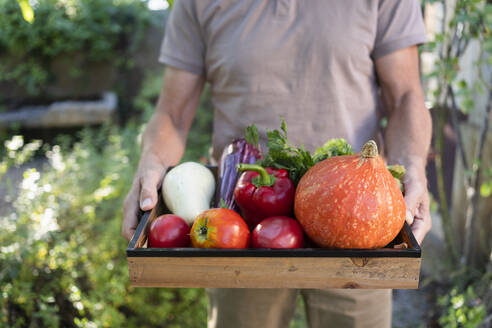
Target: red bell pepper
point(263, 192)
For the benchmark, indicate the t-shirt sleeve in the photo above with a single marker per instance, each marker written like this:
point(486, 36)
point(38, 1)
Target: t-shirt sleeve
point(183, 46)
point(400, 25)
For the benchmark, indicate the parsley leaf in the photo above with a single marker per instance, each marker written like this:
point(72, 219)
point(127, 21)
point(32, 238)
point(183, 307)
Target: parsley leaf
point(252, 135)
point(333, 147)
point(297, 160)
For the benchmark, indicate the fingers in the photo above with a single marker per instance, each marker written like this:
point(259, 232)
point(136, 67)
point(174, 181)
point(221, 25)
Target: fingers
point(415, 185)
point(142, 195)
point(413, 197)
point(417, 203)
point(423, 221)
point(418, 230)
point(149, 183)
point(130, 211)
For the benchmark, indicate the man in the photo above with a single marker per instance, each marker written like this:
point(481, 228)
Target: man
point(320, 64)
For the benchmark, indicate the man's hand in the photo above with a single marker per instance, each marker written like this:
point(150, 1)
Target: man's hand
point(163, 142)
point(409, 131)
point(417, 201)
point(143, 193)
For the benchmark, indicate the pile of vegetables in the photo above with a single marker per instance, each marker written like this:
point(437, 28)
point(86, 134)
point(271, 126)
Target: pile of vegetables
point(337, 198)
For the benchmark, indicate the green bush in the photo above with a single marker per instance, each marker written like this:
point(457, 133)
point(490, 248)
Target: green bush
point(62, 257)
point(461, 309)
point(101, 29)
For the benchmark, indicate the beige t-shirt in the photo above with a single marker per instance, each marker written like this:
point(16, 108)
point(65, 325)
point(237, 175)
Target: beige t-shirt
point(311, 62)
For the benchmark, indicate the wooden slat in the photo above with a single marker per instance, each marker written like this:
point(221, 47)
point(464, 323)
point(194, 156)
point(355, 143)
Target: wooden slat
point(233, 272)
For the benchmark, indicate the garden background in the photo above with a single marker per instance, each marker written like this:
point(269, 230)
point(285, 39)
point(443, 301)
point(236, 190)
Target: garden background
point(64, 175)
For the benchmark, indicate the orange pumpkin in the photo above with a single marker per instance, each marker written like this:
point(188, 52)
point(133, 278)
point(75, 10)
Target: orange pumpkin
point(350, 201)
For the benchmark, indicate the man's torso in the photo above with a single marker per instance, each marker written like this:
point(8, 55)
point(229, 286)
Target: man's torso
point(309, 62)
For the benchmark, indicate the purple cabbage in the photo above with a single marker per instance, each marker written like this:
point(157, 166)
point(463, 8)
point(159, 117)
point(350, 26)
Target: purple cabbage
point(239, 151)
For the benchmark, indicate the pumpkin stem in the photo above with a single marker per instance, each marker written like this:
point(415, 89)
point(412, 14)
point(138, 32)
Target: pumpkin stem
point(369, 150)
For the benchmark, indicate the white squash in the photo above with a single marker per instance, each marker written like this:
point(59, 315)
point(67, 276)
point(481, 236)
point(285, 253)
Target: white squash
point(187, 190)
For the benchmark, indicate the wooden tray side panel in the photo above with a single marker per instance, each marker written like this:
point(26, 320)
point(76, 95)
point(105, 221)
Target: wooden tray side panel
point(259, 272)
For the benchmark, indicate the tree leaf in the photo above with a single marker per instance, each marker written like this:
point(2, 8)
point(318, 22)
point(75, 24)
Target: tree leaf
point(27, 11)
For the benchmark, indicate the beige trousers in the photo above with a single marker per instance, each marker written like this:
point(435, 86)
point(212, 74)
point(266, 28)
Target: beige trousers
point(265, 308)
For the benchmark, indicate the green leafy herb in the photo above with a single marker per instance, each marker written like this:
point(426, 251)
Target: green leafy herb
point(397, 171)
point(283, 155)
point(252, 135)
point(297, 160)
point(333, 147)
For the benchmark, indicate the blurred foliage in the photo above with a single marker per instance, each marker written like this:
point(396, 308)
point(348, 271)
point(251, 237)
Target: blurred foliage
point(62, 257)
point(27, 11)
point(469, 20)
point(462, 309)
point(469, 275)
point(100, 29)
point(464, 22)
point(465, 303)
point(486, 187)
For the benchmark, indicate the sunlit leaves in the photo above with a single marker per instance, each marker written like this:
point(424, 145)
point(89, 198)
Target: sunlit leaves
point(77, 268)
point(486, 187)
point(470, 20)
point(27, 11)
point(463, 309)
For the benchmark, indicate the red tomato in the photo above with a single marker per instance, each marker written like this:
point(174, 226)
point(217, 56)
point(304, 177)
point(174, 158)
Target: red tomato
point(219, 228)
point(278, 232)
point(169, 230)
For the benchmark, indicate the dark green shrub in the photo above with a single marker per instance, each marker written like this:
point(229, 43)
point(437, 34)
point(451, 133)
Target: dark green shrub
point(101, 29)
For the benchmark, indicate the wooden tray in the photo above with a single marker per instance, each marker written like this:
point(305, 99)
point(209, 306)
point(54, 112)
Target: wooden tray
point(396, 268)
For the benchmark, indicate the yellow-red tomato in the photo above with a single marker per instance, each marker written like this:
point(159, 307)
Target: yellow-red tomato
point(220, 228)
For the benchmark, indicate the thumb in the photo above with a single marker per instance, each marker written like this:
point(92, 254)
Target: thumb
point(149, 183)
